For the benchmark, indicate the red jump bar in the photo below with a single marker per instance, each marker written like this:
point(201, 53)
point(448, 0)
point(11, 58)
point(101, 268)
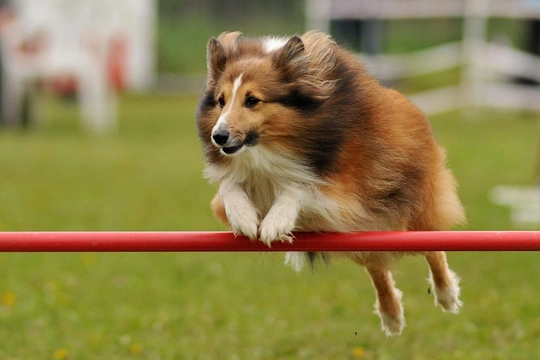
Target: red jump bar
point(221, 241)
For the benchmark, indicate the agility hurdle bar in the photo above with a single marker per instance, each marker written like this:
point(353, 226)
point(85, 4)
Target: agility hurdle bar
point(221, 241)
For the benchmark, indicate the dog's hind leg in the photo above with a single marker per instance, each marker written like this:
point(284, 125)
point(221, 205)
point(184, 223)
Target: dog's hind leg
point(443, 281)
point(388, 305)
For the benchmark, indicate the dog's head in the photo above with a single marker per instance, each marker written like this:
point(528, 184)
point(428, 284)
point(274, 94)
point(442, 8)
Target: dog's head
point(258, 90)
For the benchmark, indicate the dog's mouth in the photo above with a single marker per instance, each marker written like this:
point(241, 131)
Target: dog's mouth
point(251, 139)
point(232, 149)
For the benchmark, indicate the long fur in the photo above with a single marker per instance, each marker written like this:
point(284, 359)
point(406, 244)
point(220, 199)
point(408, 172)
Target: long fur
point(300, 137)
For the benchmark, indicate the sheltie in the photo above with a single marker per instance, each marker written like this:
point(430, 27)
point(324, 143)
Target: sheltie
point(300, 137)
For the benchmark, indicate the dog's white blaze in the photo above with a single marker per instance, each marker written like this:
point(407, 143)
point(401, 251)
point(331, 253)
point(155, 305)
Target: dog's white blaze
point(273, 43)
point(222, 120)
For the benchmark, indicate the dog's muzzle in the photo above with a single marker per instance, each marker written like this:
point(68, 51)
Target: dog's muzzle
point(228, 145)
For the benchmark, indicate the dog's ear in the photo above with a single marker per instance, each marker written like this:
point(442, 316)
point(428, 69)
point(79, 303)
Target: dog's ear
point(291, 57)
point(217, 51)
point(215, 58)
point(228, 39)
point(293, 48)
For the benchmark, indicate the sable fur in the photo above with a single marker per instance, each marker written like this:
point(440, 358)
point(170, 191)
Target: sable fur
point(301, 138)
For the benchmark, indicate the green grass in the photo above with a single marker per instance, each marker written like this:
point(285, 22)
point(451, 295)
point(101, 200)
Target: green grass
point(56, 177)
point(235, 306)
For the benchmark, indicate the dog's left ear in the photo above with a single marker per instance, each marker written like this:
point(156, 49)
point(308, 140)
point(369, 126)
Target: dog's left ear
point(291, 57)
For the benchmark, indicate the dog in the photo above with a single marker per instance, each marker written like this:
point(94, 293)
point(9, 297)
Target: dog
point(300, 137)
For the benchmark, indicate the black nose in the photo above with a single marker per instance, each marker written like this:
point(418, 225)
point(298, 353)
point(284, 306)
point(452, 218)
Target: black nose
point(221, 137)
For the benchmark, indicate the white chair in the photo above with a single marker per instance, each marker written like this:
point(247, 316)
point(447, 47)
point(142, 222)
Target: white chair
point(44, 43)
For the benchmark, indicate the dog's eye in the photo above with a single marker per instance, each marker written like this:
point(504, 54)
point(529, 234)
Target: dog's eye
point(251, 101)
point(221, 101)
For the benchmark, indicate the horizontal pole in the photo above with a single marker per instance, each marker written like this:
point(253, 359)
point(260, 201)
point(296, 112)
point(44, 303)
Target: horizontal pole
point(222, 241)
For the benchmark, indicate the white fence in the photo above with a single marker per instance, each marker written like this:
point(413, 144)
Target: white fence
point(484, 64)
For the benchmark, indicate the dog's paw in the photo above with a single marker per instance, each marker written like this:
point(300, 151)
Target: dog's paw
point(392, 319)
point(392, 325)
point(275, 228)
point(448, 297)
point(244, 221)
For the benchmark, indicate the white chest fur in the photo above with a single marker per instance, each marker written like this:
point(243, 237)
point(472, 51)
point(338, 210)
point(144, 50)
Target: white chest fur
point(264, 175)
point(278, 191)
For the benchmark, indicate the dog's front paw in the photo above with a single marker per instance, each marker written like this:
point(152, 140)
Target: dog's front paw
point(274, 228)
point(244, 221)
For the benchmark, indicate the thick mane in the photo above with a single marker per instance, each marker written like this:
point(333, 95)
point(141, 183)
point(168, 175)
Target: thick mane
point(321, 52)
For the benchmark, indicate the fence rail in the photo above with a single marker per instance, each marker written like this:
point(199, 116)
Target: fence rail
point(221, 241)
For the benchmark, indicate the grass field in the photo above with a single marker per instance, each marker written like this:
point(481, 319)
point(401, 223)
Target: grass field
point(235, 306)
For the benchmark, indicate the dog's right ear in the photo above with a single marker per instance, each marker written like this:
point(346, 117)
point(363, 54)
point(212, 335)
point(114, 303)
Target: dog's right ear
point(215, 58)
point(217, 51)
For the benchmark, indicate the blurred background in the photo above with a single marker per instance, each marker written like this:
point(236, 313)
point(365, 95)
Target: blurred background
point(97, 133)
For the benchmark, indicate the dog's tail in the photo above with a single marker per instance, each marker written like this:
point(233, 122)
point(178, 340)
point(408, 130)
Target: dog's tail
point(317, 257)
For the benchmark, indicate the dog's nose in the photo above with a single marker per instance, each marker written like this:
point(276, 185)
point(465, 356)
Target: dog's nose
point(221, 137)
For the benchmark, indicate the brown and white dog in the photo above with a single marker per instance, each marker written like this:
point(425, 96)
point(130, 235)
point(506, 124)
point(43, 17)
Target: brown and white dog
point(301, 138)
